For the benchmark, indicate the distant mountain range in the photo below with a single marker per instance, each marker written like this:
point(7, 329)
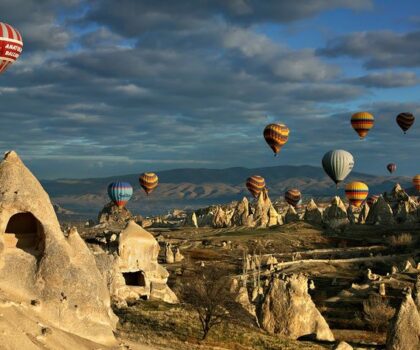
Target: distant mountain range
point(192, 188)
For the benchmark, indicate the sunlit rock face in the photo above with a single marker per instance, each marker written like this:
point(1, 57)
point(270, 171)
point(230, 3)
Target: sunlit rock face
point(37, 262)
point(404, 330)
point(135, 272)
point(288, 310)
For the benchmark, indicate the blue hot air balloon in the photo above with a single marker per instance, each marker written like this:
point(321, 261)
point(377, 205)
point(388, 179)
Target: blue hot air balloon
point(120, 193)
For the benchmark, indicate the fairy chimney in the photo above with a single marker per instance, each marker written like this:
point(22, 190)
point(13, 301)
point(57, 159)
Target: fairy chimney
point(37, 262)
point(138, 254)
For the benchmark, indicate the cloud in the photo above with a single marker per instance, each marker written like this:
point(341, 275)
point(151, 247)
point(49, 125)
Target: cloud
point(380, 49)
point(177, 85)
point(386, 80)
point(134, 17)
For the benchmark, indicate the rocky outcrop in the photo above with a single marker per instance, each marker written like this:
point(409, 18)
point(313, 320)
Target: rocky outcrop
point(380, 213)
point(191, 220)
point(221, 218)
point(288, 310)
point(352, 214)
point(404, 330)
point(343, 346)
point(178, 257)
point(169, 254)
point(261, 209)
point(112, 214)
point(137, 262)
point(313, 214)
point(291, 215)
point(335, 215)
point(416, 292)
point(364, 212)
point(37, 262)
point(241, 216)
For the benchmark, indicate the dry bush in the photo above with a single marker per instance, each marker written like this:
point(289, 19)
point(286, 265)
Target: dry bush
point(400, 241)
point(377, 312)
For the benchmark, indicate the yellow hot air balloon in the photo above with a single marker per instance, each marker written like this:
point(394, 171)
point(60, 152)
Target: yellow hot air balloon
point(276, 135)
point(416, 182)
point(362, 122)
point(356, 192)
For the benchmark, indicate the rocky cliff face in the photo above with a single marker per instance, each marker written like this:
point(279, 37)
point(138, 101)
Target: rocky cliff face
point(288, 310)
point(404, 331)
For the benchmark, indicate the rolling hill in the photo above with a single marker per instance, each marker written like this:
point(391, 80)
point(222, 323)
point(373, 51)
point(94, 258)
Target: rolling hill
point(192, 188)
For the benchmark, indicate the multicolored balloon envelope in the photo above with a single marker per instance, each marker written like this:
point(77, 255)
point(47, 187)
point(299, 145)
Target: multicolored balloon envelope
point(362, 122)
point(337, 164)
point(372, 200)
point(293, 197)
point(11, 45)
point(416, 182)
point(148, 181)
point(120, 193)
point(356, 192)
point(255, 184)
point(391, 167)
point(405, 121)
point(276, 136)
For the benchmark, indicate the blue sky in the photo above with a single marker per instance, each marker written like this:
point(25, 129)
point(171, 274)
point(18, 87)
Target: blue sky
point(106, 88)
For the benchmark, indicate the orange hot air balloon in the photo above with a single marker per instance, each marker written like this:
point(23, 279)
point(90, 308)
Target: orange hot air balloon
point(356, 192)
point(276, 136)
point(416, 182)
point(362, 122)
point(293, 197)
point(255, 184)
point(148, 181)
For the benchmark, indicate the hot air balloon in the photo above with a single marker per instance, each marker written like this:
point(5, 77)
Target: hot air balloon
point(255, 184)
point(356, 192)
point(362, 122)
point(372, 199)
point(11, 45)
point(405, 121)
point(148, 181)
point(391, 167)
point(337, 164)
point(276, 135)
point(416, 182)
point(293, 197)
point(120, 193)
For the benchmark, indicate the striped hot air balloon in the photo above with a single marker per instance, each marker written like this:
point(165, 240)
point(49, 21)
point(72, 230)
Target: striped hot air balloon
point(362, 122)
point(148, 181)
point(293, 197)
point(356, 192)
point(405, 121)
point(337, 164)
point(391, 167)
point(120, 193)
point(416, 182)
point(276, 136)
point(255, 184)
point(11, 45)
point(372, 199)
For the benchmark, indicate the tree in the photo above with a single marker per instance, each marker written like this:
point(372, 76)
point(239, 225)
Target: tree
point(208, 293)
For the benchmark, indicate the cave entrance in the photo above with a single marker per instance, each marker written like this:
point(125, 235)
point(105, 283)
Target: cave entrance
point(135, 279)
point(25, 232)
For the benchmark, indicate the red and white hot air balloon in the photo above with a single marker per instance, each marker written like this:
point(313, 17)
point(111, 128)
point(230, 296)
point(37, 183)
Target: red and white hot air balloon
point(11, 45)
